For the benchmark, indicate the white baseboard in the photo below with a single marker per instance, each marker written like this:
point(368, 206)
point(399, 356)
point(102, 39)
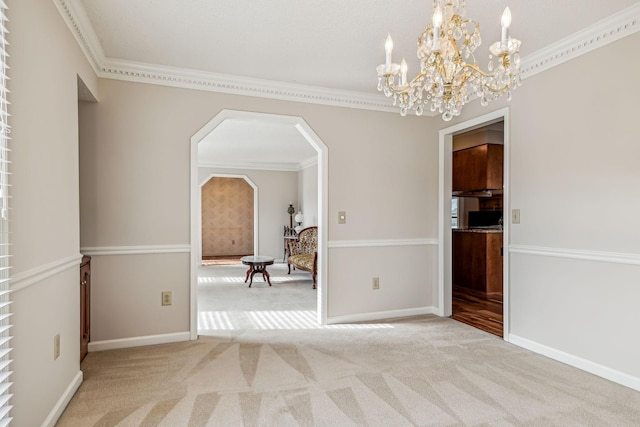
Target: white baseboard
point(138, 341)
point(381, 315)
point(577, 362)
point(64, 400)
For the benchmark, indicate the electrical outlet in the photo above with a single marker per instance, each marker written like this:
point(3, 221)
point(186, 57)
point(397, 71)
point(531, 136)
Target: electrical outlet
point(56, 346)
point(166, 298)
point(375, 283)
point(342, 217)
point(515, 216)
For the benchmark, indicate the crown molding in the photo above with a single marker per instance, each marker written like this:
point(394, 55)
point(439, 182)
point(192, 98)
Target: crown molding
point(608, 30)
point(79, 23)
point(235, 85)
point(278, 167)
point(271, 166)
point(313, 161)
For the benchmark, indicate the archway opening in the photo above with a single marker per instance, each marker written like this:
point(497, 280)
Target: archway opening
point(228, 219)
point(264, 228)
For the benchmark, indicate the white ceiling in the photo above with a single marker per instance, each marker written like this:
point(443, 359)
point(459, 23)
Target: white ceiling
point(332, 44)
point(256, 142)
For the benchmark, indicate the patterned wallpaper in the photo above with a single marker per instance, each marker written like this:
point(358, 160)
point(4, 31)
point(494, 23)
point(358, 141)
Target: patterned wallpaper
point(227, 217)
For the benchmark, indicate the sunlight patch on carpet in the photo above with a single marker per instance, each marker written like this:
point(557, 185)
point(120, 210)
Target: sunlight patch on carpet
point(271, 320)
point(230, 279)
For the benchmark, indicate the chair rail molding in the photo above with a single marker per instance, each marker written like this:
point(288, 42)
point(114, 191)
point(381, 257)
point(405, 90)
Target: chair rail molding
point(607, 31)
point(578, 254)
point(35, 275)
point(136, 250)
point(380, 242)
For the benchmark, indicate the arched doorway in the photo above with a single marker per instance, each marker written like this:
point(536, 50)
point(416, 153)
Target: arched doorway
point(229, 216)
point(316, 143)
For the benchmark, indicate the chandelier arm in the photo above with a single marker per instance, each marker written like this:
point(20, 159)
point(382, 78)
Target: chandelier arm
point(477, 69)
point(402, 90)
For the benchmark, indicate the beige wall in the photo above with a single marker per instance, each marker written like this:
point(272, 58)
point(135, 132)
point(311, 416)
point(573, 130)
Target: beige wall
point(142, 156)
point(573, 179)
point(227, 217)
point(141, 279)
point(308, 195)
point(44, 64)
point(574, 175)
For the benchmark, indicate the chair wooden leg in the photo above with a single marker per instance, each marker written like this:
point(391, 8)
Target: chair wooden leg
point(313, 276)
point(289, 268)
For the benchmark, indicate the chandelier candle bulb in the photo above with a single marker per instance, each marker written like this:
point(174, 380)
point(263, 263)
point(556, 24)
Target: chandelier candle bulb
point(506, 23)
point(437, 22)
point(388, 48)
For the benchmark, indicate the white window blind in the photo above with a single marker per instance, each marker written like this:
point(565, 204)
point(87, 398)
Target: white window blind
point(5, 326)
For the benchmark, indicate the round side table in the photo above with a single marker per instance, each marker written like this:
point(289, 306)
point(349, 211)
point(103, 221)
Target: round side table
point(257, 264)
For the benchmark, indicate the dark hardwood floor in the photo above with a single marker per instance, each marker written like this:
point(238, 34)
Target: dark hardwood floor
point(478, 309)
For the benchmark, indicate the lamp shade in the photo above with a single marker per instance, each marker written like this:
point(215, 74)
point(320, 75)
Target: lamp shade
point(299, 217)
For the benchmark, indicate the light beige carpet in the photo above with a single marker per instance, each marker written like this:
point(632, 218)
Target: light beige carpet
point(407, 372)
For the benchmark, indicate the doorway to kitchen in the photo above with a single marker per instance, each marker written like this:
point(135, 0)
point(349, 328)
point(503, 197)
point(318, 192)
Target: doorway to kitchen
point(476, 226)
point(474, 233)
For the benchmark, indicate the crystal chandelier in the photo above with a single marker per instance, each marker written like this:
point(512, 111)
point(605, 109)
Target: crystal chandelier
point(447, 81)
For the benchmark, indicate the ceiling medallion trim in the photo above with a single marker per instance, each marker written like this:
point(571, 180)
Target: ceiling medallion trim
point(615, 27)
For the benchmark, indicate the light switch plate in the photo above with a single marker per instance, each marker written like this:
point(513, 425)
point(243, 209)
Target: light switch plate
point(342, 217)
point(166, 298)
point(515, 216)
point(56, 346)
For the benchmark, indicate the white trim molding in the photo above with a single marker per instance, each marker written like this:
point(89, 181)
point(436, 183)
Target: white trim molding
point(139, 341)
point(608, 30)
point(27, 278)
point(445, 249)
point(577, 362)
point(379, 243)
point(64, 400)
point(381, 315)
point(78, 22)
point(611, 257)
point(135, 250)
point(280, 167)
point(117, 69)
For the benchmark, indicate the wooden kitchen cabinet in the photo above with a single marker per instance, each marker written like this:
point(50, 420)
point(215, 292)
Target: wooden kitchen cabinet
point(85, 305)
point(478, 168)
point(477, 260)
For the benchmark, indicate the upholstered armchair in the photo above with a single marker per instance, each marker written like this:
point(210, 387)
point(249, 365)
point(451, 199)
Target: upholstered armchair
point(303, 253)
